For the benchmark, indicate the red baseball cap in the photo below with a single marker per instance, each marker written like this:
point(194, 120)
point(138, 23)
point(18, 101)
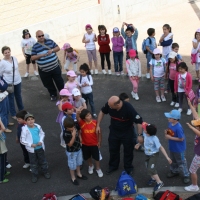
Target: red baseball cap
point(67, 106)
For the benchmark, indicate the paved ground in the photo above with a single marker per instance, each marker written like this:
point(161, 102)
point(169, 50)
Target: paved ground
point(36, 101)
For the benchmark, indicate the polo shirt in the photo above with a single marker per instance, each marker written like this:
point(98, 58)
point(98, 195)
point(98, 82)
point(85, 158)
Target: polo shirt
point(49, 62)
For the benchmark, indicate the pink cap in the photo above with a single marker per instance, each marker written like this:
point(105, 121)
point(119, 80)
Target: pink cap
point(132, 53)
point(156, 51)
point(66, 46)
point(71, 73)
point(198, 30)
point(65, 92)
point(88, 26)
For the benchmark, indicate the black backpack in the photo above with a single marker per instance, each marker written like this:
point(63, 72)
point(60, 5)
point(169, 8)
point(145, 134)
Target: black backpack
point(194, 197)
point(95, 192)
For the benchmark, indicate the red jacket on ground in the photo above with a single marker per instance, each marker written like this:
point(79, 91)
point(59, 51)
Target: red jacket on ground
point(104, 42)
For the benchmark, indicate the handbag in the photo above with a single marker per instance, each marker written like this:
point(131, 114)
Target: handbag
point(10, 88)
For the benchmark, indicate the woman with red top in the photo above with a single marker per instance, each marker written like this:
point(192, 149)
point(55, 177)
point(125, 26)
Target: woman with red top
point(104, 48)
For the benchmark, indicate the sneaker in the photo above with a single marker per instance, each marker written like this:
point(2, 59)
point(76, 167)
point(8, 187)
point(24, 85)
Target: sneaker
point(163, 98)
point(158, 99)
point(136, 96)
point(171, 174)
point(104, 71)
point(53, 98)
point(172, 103)
point(4, 181)
point(96, 71)
point(100, 173)
point(176, 105)
point(91, 71)
point(36, 73)
point(34, 178)
point(109, 72)
point(122, 73)
point(90, 169)
point(166, 91)
point(26, 75)
point(180, 110)
point(192, 188)
point(7, 130)
point(7, 173)
point(27, 165)
point(151, 181)
point(117, 74)
point(11, 124)
point(158, 186)
point(148, 75)
point(186, 179)
point(94, 115)
point(189, 112)
point(47, 175)
point(63, 145)
point(8, 166)
point(133, 94)
point(30, 170)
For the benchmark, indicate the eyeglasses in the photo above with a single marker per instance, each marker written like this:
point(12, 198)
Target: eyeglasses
point(39, 36)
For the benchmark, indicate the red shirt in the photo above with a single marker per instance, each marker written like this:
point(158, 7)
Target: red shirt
point(88, 132)
point(104, 42)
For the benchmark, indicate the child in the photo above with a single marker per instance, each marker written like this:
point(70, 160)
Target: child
point(152, 147)
point(104, 48)
point(183, 85)
point(89, 39)
point(196, 50)
point(124, 97)
point(177, 146)
point(21, 123)
point(157, 71)
point(175, 48)
point(118, 43)
point(85, 82)
point(79, 102)
point(196, 160)
point(32, 137)
point(130, 38)
point(166, 40)
point(172, 69)
point(73, 150)
point(91, 141)
point(3, 151)
point(70, 56)
point(133, 66)
point(64, 97)
point(27, 44)
point(150, 46)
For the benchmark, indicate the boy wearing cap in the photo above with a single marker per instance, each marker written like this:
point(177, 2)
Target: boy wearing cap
point(152, 147)
point(79, 102)
point(118, 43)
point(32, 137)
point(177, 146)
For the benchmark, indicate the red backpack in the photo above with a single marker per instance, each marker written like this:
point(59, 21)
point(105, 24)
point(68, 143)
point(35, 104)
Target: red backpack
point(49, 196)
point(167, 195)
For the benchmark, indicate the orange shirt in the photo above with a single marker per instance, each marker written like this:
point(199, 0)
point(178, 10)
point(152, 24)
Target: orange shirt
point(88, 132)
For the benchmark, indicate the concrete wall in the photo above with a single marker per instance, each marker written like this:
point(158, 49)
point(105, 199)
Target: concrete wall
point(64, 19)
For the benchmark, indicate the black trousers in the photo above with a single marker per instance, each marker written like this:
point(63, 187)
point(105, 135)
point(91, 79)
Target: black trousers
point(114, 148)
point(51, 77)
point(107, 56)
point(174, 96)
point(25, 153)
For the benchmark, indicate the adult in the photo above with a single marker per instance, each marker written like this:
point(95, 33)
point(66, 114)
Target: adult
point(8, 66)
point(27, 44)
point(44, 52)
point(123, 116)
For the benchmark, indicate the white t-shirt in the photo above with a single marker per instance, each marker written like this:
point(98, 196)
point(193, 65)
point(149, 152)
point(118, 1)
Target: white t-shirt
point(86, 89)
point(27, 44)
point(6, 70)
point(181, 82)
point(91, 44)
point(194, 51)
point(167, 49)
point(159, 68)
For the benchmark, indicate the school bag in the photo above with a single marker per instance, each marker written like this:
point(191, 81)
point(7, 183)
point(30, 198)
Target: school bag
point(167, 195)
point(78, 197)
point(126, 185)
point(141, 197)
point(194, 197)
point(82, 76)
point(144, 50)
point(99, 193)
point(49, 196)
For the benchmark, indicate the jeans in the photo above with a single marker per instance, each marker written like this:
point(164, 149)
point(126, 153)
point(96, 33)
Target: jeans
point(4, 111)
point(75, 159)
point(25, 154)
point(36, 158)
point(118, 61)
point(174, 96)
point(89, 97)
point(48, 79)
point(2, 166)
point(18, 98)
point(149, 57)
point(103, 55)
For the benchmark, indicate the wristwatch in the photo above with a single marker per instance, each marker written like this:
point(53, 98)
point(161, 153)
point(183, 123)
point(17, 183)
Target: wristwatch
point(140, 134)
point(51, 50)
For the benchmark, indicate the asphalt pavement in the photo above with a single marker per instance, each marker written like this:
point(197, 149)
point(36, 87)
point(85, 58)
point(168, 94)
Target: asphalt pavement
point(37, 101)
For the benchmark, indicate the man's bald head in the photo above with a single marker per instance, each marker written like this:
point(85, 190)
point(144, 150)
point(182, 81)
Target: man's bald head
point(114, 102)
point(39, 32)
point(40, 36)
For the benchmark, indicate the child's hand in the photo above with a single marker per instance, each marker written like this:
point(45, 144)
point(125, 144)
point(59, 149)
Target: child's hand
point(152, 79)
point(74, 132)
point(137, 146)
point(190, 126)
point(39, 144)
point(169, 160)
point(99, 144)
point(189, 102)
point(33, 145)
point(124, 23)
point(167, 137)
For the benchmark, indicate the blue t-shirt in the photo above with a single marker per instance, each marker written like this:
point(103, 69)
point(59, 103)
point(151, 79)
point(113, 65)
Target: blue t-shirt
point(177, 146)
point(35, 135)
point(151, 144)
point(151, 44)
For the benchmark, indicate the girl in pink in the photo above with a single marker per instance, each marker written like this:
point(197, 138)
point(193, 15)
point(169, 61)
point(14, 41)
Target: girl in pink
point(64, 97)
point(133, 66)
point(183, 85)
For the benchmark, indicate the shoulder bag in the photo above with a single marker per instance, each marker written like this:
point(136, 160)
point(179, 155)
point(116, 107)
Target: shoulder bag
point(10, 88)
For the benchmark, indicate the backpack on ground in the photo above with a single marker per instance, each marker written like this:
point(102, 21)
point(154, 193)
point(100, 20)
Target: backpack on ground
point(141, 197)
point(194, 197)
point(126, 185)
point(144, 50)
point(49, 196)
point(99, 193)
point(167, 195)
point(78, 197)
point(128, 198)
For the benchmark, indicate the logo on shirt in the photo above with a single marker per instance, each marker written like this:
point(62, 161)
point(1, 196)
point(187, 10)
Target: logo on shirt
point(137, 116)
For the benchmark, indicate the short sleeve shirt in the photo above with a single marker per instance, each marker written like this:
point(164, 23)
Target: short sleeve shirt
point(79, 103)
point(158, 67)
point(27, 44)
point(151, 43)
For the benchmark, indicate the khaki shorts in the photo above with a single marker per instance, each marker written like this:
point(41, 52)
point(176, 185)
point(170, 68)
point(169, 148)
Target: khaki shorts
point(150, 163)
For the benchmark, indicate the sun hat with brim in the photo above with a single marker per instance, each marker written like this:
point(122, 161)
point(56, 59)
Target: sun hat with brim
point(174, 114)
point(66, 46)
point(172, 54)
point(28, 115)
point(195, 122)
point(71, 73)
point(65, 92)
point(156, 51)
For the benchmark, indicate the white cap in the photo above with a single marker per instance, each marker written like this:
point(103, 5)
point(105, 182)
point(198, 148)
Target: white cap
point(76, 92)
point(172, 54)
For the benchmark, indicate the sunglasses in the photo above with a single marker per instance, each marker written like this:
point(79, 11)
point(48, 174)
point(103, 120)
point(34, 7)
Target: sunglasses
point(39, 36)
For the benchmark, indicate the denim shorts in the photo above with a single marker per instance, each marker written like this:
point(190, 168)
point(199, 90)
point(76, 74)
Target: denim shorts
point(75, 159)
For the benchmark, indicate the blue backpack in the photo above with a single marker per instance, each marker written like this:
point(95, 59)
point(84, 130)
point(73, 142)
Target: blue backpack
point(78, 197)
point(144, 50)
point(141, 197)
point(126, 185)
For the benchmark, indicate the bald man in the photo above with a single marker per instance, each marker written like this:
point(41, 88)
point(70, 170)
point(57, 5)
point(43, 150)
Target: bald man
point(123, 116)
point(44, 52)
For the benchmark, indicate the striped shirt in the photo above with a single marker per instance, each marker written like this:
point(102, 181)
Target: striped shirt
point(49, 62)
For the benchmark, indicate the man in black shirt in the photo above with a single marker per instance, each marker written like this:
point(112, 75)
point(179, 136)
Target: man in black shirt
point(123, 116)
